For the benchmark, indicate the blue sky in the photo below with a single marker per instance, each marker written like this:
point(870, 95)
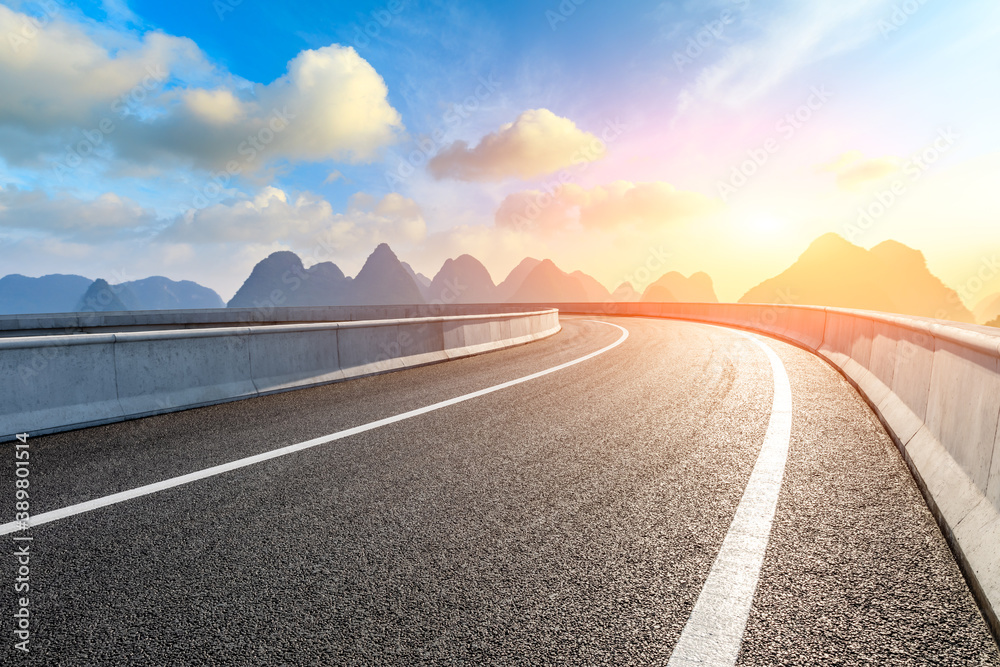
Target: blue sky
point(606, 132)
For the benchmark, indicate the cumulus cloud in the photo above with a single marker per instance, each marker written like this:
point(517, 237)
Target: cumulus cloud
point(538, 142)
point(57, 75)
point(305, 221)
point(161, 101)
point(216, 107)
point(621, 203)
point(853, 170)
point(72, 219)
point(331, 105)
point(270, 218)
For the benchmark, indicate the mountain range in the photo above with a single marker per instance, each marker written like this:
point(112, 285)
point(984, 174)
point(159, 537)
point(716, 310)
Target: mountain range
point(673, 286)
point(890, 277)
point(59, 293)
point(987, 309)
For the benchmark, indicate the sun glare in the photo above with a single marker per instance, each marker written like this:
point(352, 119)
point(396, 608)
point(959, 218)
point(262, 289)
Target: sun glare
point(764, 225)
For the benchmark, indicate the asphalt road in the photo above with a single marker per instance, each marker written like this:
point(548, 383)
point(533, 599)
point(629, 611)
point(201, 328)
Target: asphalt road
point(570, 519)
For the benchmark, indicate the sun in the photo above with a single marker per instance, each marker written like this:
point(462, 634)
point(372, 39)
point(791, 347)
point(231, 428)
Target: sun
point(764, 225)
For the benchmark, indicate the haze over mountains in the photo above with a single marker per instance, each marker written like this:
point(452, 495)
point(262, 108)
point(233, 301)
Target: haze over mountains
point(70, 293)
point(55, 293)
point(832, 272)
point(987, 309)
point(281, 280)
point(673, 286)
point(890, 277)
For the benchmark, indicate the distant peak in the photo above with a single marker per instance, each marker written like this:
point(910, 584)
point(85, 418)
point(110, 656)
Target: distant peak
point(832, 240)
point(282, 257)
point(894, 250)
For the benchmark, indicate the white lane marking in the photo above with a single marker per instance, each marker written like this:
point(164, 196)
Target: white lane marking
point(714, 632)
point(115, 498)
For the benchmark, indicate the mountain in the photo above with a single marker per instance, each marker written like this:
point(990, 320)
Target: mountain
point(423, 282)
point(547, 283)
point(675, 287)
point(383, 281)
point(159, 293)
point(594, 290)
point(280, 279)
point(462, 280)
point(625, 293)
point(515, 279)
point(56, 293)
point(65, 294)
point(101, 297)
point(890, 277)
point(987, 309)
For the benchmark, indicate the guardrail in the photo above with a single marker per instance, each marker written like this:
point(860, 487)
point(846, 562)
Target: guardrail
point(62, 382)
point(934, 385)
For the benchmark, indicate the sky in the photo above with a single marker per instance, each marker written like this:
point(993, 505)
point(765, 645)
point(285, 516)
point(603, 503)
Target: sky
point(625, 139)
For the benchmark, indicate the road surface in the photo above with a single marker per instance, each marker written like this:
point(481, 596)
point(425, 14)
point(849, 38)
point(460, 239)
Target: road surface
point(571, 518)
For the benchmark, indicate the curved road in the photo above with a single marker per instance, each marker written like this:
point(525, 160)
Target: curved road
point(573, 518)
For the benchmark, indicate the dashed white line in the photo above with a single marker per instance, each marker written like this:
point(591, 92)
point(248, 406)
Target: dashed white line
point(714, 631)
point(115, 498)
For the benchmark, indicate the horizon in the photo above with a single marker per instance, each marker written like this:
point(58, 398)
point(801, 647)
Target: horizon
point(194, 141)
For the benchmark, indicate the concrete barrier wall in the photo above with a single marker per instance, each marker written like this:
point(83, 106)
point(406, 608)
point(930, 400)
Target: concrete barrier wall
point(935, 386)
point(57, 383)
point(207, 318)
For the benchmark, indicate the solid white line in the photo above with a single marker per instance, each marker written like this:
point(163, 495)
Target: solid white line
point(115, 498)
point(714, 632)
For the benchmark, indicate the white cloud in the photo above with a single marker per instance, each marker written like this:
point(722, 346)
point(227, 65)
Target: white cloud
point(853, 170)
point(306, 221)
point(57, 75)
point(216, 107)
point(792, 38)
point(162, 102)
point(538, 142)
point(72, 219)
point(622, 203)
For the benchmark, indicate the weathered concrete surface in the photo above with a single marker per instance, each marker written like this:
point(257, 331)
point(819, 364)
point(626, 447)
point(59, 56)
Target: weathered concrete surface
point(59, 383)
